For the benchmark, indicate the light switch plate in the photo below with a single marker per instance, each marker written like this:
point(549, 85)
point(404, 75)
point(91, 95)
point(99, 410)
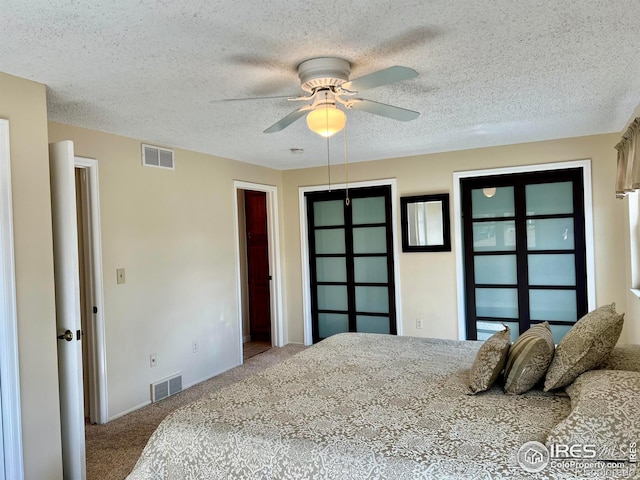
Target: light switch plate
point(120, 278)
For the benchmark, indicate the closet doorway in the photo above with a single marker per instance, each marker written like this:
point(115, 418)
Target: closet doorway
point(349, 263)
point(525, 250)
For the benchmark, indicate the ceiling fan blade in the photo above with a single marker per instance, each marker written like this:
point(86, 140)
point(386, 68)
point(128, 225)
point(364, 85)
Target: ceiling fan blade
point(288, 120)
point(383, 109)
point(379, 78)
point(250, 98)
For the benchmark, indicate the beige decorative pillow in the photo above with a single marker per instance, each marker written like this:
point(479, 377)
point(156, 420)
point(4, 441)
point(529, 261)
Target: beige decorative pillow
point(489, 361)
point(605, 414)
point(622, 357)
point(529, 358)
point(584, 346)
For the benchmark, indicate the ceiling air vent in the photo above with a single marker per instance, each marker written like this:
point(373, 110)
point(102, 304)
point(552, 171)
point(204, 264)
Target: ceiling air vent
point(159, 157)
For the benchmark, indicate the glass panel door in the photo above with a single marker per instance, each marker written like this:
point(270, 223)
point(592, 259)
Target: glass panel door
point(351, 262)
point(525, 259)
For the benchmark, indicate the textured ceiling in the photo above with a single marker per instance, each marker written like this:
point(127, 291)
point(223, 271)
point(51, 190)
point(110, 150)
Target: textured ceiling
point(490, 72)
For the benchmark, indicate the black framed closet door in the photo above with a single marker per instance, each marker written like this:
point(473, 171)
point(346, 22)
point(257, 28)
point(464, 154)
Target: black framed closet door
point(351, 262)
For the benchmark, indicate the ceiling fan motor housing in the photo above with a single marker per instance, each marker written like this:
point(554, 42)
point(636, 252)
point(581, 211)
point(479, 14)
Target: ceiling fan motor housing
point(323, 72)
point(330, 76)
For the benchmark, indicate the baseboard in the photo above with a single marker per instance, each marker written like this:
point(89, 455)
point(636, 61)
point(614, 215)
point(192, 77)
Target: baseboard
point(246, 338)
point(184, 387)
point(189, 385)
point(133, 409)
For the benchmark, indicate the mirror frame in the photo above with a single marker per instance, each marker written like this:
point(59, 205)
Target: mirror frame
point(443, 198)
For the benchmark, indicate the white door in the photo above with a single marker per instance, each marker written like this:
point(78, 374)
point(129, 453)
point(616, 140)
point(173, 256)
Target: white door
point(11, 462)
point(1, 435)
point(65, 255)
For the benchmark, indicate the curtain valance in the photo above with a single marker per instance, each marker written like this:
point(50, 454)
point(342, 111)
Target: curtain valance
point(628, 174)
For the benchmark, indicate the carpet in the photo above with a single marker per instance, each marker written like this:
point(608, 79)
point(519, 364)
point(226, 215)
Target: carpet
point(113, 448)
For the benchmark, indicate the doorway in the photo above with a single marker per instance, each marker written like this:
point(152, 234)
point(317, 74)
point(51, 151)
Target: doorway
point(258, 272)
point(524, 249)
point(351, 262)
point(91, 290)
point(524, 242)
point(365, 288)
point(258, 266)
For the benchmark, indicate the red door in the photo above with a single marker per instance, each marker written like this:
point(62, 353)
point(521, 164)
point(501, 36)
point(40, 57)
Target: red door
point(258, 265)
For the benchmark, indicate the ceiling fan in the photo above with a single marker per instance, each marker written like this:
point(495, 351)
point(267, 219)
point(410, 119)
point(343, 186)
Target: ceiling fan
point(326, 80)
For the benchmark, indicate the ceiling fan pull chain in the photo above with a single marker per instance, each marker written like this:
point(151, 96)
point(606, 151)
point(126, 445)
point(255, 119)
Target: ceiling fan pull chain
point(347, 200)
point(326, 114)
point(328, 164)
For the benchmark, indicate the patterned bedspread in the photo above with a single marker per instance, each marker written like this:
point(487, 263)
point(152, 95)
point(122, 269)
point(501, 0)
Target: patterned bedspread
point(356, 406)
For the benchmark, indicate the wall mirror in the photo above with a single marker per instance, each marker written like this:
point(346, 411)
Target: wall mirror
point(425, 223)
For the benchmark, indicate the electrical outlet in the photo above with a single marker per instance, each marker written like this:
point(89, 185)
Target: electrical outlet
point(153, 361)
point(419, 323)
point(194, 346)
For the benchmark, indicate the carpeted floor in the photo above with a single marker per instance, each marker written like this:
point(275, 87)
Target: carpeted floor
point(113, 448)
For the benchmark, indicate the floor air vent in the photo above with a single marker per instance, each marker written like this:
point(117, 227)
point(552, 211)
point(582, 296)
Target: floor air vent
point(153, 156)
point(166, 387)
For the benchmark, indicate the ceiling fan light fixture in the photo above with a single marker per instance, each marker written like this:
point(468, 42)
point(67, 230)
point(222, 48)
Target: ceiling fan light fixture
point(326, 120)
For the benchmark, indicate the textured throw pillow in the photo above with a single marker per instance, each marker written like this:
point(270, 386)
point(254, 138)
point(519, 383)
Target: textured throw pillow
point(605, 413)
point(622, 357)
point(529, 358)
point(587, 344)
point(489, 361)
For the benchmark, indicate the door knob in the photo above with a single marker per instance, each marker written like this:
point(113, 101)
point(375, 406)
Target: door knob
point(68, 336)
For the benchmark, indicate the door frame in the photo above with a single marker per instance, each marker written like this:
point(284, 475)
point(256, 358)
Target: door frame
point(98, 399)
point(273, 234)
point(304, 247)
point(10, 421)
point(457, 226)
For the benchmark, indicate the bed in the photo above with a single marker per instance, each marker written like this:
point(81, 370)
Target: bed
point(357, 406)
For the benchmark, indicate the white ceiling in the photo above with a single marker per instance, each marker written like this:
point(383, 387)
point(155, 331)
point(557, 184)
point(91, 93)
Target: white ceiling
point(491, 72)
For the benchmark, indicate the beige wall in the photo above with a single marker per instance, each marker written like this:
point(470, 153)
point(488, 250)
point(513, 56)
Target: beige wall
point(173, 232)
point(23, 103)
point(428, 280)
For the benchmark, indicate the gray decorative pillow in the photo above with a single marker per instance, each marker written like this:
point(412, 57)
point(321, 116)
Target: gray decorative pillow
point(489, 361)
point(605, 413)
point(529, 358)
point(622, 357)
point(584, 346)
